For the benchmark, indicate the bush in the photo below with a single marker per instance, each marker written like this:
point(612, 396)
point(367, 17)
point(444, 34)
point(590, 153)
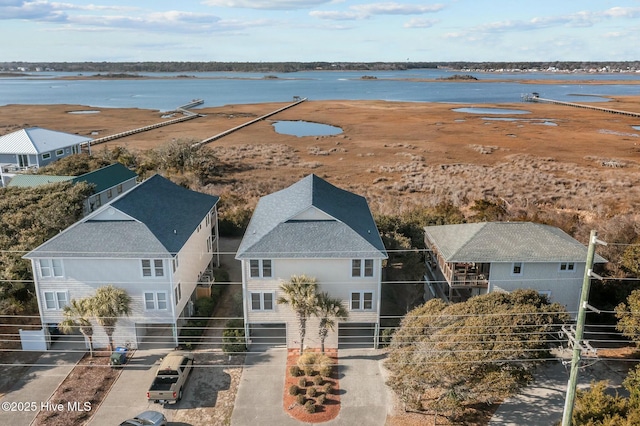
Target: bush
point(310, 407)
point(293, 390)
point(328, 387)
point(294, 370)
point(302, 382)
point(311, 392)
point(204, 307)
point(300, 399)
point(321, 399)
point(317, 380)
point(233, 337)
point(325, 370)
point(312, 362)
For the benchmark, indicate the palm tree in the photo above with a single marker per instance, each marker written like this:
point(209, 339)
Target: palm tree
point(328, 310)
point(107, 305)
point(300, 294)
point(76, 316)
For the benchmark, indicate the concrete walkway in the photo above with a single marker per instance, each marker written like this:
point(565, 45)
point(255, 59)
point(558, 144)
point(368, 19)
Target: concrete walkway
point(38, 385)
point(259, 398)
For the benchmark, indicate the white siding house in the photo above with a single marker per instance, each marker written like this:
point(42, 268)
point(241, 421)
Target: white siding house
point(315, 229)
point(157, 241)
point(36, 147)
point(470, 259)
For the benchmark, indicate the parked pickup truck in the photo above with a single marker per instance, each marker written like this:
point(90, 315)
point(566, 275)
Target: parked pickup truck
point(171, 377)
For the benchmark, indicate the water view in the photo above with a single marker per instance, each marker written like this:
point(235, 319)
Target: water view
point(305, 128)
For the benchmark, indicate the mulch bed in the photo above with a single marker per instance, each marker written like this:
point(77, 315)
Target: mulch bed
point(77, 398)
point(325, 412)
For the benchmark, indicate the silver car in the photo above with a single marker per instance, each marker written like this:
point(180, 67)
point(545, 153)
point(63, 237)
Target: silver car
point(148, 418)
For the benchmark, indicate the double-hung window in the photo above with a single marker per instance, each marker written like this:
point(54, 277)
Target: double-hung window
point(155, 301)
point(362, 267)
point(50, 268)
point(55, 300)
point(260, 268)
point(178, 293)
point(516, 268)
point(262, 301)
point(361, 301)
point(152, 268)
point(567, 267)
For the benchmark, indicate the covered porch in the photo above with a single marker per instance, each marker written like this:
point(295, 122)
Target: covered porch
point(455, 281)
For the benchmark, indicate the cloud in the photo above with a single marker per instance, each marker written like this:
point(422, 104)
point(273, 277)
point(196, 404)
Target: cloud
point(420, 23)
point(365, 11)
point(266, 4)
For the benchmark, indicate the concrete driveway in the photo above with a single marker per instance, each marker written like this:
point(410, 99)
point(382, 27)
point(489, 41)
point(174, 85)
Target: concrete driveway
point(363, 401)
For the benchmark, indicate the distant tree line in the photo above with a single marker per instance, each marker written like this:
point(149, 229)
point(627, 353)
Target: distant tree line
point(283, 67)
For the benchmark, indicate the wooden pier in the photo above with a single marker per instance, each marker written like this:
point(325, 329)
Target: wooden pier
point(534, 98)
point(248, 123)
point(187, 115)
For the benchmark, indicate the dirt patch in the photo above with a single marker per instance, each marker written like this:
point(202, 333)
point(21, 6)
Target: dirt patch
point(80, 393)
point(325, 411)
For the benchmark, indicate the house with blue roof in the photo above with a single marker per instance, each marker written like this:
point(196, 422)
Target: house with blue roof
point(319, 230)
point(158, 241)
point(31, 148)
point(471, 259)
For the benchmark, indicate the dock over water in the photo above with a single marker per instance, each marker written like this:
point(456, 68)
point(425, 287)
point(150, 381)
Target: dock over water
point(535, 98)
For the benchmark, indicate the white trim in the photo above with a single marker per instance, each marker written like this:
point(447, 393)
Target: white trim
point(569, 267)
point(261, 268)
point(513, 269)
point(362, 267)
point(361, 301)
point(50, 267)
point(56, 300)
point(156, 300)
point(262, 301)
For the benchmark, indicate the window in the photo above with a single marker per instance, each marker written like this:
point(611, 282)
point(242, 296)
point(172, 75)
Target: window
point(59, 152)
point(50, 268)
point(178, 292)
point(362, 301)
point(119, 189)
point(260, 268)
point(175, 263)
point(357, 269)
point(155, 301)
point(157, 270)
point(97, 201)
point(55, 300)
point(567, 267)
point(262, 301)
point(516, 268)
point(46, 155)
point(109, 193)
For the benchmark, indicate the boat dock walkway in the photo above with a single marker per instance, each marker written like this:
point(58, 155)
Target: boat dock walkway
point(183, 109)
point(255, 120)
point(534, 98)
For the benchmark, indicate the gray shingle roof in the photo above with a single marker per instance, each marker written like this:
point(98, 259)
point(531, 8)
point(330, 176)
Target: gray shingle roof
point(506, 242)
point(274, 231)
point(164, 216)
point(36, 140)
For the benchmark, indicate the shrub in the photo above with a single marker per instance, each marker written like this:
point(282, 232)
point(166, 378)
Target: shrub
point(325, 370)
point(308, 370)
point(204, 307)
point(317, 380)
point(294, 370)
point(312, 362)
point(300, 399)
point(233, 337)
point(328, 387)
point(302, 382)
point(311, 392)
point(321, 399)
point(293, 390)
point(310, 407)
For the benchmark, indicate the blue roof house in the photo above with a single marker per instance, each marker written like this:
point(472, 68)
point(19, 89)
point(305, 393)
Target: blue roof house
point(316, 229)
point(158, 241)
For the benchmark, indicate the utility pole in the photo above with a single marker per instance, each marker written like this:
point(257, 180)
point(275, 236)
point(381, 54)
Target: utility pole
point(577, 345)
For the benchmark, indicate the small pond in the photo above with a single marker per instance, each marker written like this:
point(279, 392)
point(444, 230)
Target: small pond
point(475, 110)
point(636, 127)
point(305, 128)
point(87, 111)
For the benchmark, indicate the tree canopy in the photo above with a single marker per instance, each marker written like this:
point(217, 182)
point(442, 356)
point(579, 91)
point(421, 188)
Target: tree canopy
point(448, 356)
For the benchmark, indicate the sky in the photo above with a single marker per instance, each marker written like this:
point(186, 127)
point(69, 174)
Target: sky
point(320, 30)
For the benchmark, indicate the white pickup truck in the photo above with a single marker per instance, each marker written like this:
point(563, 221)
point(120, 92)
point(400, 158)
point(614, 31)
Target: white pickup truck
point(171, 377)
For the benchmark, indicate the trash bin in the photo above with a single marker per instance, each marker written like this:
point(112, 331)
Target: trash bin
point(118, 357)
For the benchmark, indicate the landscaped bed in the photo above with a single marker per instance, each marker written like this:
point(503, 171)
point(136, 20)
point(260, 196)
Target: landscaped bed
point(312, 394)
point(79, 395)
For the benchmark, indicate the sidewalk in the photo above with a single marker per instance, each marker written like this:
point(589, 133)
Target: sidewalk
point(259, 398)
point(37, 386)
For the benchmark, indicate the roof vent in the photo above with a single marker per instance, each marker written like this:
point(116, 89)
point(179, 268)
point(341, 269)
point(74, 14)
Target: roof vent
point(175, 232)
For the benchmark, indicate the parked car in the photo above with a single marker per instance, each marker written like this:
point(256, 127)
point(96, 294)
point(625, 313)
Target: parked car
point(171, 377)
point(148, 418)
